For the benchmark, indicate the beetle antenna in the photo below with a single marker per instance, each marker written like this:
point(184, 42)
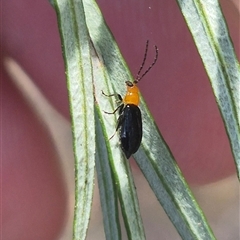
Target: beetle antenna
point(143, 62)
point(138, 78)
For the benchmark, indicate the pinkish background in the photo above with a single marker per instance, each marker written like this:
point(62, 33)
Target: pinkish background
point(35, 190)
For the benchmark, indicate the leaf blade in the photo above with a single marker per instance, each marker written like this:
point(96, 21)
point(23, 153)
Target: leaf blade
point(124, 184)
point(76, 53)
point(209, 31)
point(116, 69)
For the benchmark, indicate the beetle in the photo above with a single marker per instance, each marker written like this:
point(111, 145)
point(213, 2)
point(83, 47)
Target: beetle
point(129, 122)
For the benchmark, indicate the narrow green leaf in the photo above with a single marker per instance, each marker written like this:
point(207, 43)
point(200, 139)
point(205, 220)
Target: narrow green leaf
point(120, 168)
point(161, 171)
point(107, 189)
point(106, 183)
point(210, 33)
point(76, 52)
point(154, 157)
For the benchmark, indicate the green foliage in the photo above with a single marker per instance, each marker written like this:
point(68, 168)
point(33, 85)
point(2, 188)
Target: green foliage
point(92, 59)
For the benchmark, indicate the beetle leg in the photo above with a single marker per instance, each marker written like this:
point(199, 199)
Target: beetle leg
point(112, 95)
point(120, 107)
point(120, 120)
point(119, 123)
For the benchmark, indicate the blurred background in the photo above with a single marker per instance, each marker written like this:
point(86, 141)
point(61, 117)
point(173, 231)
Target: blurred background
point(37, 172)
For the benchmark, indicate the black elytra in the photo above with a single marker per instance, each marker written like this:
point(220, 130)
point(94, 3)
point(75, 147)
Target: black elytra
point(130, 132)
point(129, 122)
